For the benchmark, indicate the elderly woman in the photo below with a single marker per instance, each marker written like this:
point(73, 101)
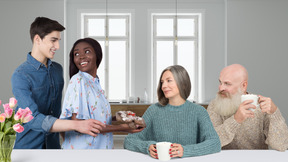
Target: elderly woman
point(175, 119)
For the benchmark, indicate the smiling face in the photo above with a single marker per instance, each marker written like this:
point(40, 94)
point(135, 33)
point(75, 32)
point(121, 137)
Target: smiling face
point(85, 58)
point(49, 44)
point(169, 86)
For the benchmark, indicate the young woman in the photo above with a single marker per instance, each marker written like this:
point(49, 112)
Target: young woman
point(84, 98)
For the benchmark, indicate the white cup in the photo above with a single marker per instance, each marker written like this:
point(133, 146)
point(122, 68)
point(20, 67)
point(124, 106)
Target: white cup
point(163, 150)
point(250, 97)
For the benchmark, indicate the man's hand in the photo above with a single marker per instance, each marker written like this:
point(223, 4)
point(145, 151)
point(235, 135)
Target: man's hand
point(267, 105)
point(90, 126)
point(243, 111)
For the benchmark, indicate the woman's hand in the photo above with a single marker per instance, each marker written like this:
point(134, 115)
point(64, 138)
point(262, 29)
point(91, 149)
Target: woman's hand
point(153, 152)
point(131, 130)
point(176, 150)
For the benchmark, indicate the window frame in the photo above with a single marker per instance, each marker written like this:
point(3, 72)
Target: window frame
point(197, 89)
point(126, 38)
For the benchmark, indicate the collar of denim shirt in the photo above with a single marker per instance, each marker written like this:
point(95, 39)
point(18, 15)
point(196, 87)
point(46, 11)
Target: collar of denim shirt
point(35, 63)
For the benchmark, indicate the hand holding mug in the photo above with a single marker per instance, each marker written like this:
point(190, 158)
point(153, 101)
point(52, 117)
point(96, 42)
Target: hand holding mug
point(152, 151)
point(267, 105)
point(244, 111)
point(176, 150)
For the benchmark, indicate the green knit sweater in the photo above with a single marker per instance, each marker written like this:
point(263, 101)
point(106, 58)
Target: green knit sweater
point(188, 124)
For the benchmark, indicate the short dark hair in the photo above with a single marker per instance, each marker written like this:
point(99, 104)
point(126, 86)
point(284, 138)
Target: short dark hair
point(98, 51)
point(43, 26)
point(183, 82)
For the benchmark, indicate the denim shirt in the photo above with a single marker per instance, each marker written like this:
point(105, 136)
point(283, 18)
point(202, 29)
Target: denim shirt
point(40, 88)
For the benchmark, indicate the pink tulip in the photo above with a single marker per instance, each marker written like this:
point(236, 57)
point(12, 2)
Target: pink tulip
point(27, 118)
point(0, 102)
point(2, 117)
point(18, 128)
point(25, 115)
point(28, 111)
point(6, 106)
point(8, 111)
point(18, 115)
point(12, 102)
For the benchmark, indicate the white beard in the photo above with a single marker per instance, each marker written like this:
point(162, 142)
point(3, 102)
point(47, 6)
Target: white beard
point(227, 106)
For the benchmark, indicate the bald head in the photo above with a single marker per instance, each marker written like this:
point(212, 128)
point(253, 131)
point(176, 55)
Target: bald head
point(237, 71)
point(233, 79)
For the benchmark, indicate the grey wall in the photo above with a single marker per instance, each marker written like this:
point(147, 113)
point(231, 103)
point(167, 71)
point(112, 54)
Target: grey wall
point(16, 17)
point(255, 32)
point(257, 38)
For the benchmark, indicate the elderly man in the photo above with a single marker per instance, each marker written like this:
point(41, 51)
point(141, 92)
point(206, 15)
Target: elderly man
point(237, 126)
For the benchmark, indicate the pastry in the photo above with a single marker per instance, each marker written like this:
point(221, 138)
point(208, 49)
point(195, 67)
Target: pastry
point(131, 119)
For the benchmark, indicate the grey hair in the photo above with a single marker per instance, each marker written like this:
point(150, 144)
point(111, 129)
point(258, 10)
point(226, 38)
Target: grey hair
point(183, 82)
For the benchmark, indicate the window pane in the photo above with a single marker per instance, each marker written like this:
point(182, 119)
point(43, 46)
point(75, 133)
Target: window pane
point(164, 27)
point(96, 27)
point(164, 57)
point(117, 27)
point(186, 27)
point(186, 58)
point(117, 70)
point(100, 71)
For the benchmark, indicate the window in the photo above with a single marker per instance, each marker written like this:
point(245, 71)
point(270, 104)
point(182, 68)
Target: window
point(112, 32)
point(177, 43)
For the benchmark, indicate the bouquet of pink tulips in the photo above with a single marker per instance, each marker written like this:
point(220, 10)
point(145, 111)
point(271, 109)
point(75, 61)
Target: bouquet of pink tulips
point(11, 122)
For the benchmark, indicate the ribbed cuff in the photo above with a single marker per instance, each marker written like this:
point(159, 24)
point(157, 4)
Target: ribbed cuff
point(233, 124)
point(277, 116)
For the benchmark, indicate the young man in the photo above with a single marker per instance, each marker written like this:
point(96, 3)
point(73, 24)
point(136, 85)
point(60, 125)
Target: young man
point(38, 84)
point(239, 127)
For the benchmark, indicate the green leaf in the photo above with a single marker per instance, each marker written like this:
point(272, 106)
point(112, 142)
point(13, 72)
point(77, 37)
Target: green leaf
point(7, 126)
point(2, 125)
point(1, 135)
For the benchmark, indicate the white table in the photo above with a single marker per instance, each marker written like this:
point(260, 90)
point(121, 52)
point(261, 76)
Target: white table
point(121, 155)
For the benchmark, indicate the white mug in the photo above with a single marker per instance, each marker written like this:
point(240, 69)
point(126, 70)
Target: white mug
point(250, 97)
point(163, 150)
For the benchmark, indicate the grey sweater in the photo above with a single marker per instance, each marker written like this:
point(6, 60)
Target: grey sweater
point(188, 124)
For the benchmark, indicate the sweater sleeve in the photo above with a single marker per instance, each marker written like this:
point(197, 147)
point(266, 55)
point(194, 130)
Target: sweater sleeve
point(276, 131)
point(226, 129)
point(141, 141)
point(208, 140)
